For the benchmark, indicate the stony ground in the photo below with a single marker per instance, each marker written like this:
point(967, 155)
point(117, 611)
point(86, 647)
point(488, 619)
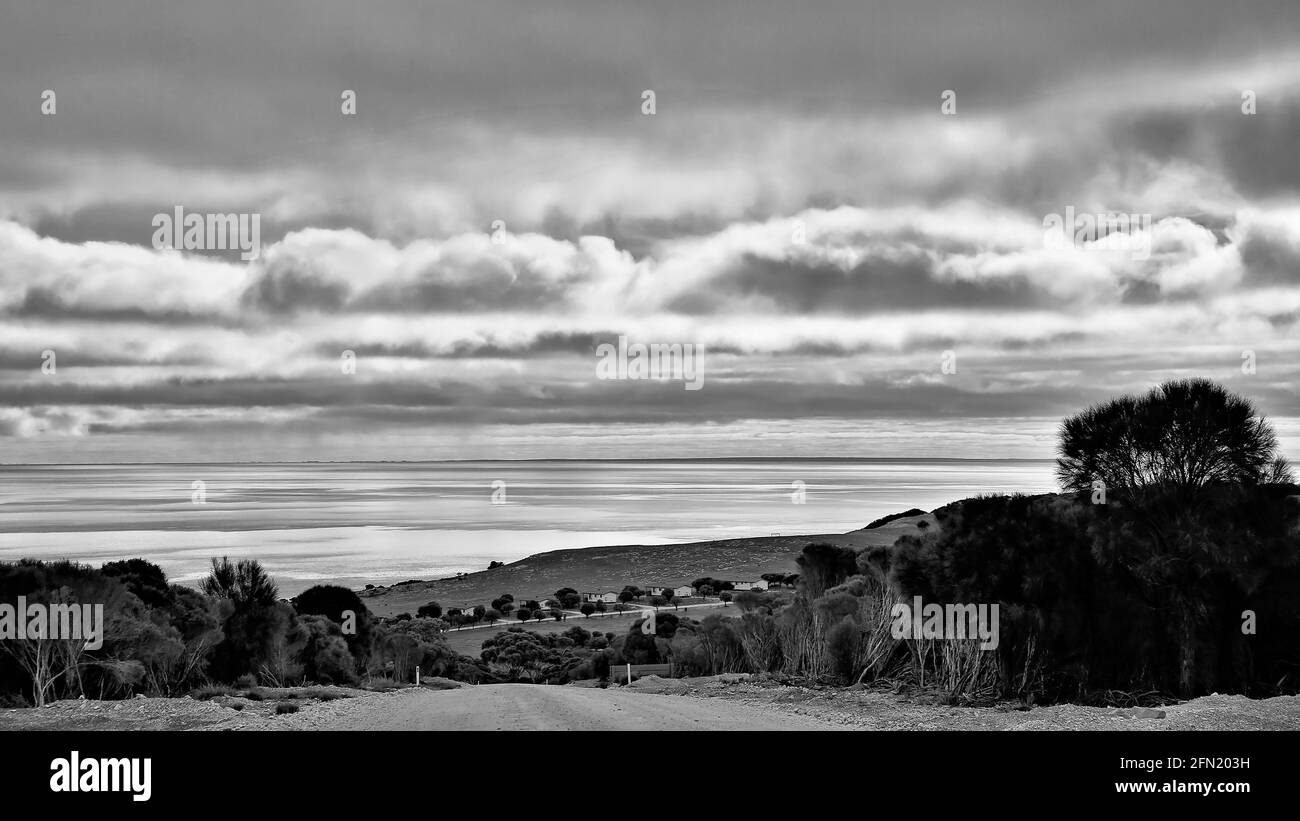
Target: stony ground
point(220, 713)
point(861, 708)
point(718, 702)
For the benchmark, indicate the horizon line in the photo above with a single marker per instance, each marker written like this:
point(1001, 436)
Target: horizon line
point(538, 460)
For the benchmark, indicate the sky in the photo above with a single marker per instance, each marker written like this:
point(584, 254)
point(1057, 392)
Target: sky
point(840, 205)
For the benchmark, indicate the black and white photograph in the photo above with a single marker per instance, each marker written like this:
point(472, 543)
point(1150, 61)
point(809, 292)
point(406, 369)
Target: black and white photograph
point(916, 368)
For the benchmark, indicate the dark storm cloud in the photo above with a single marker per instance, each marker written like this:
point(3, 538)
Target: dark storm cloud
point(882, 284)
point(30, 361)
point(240, 392)
point(477, 288)
point(1270, 257)
point(45, 303)
point(256, 85)
point(1256, 153)
point(544, 344)
point(293, 287)
point(598, 403)
point(513, 58)
point(923, 229)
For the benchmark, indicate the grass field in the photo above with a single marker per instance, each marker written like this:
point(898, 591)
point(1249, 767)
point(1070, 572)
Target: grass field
point(470, 642)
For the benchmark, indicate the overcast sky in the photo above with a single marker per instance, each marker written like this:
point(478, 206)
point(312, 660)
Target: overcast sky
point(923, 231)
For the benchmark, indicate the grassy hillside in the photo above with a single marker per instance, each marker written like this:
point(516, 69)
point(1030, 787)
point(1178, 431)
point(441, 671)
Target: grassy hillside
point(610, 568)
point(470, 642)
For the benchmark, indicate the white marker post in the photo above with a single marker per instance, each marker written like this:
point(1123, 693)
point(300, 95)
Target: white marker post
point(629, 673)
point(417, 676)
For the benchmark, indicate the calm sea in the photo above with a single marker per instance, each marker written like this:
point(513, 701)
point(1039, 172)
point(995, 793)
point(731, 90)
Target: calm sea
point(355, 523)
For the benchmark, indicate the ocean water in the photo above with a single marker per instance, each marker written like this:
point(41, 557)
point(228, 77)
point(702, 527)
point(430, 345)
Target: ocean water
point(358, 523)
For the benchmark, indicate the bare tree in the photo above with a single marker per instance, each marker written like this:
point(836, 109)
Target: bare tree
point(49, 658)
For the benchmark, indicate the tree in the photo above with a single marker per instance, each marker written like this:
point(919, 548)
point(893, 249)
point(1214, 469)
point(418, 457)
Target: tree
point(333, 602)
point(145, 579)
point(432, 610)
point(568, 598)
point(1169, 444)
point(600, 606)
point(556, 613)
point(587, 609)
point(258, 627)
point(626, 596)
point(323, 652)
point(578, 636)
point(518, 654)
point(56, 661)
point(492, 615)
point(198, 620)
point(749, 600)
point(823, 566)
point(639, 648)
point(328, 600)
point(725, 595)
point(245, 583)
point(539, 614)
point(405, 653)
point(500, 601)
point(1178, 462)
point(523, 614)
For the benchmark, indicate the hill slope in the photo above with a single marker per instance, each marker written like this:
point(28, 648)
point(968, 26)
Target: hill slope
point(610, 568)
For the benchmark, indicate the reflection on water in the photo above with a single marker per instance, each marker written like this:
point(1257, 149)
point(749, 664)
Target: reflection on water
point(356, 523)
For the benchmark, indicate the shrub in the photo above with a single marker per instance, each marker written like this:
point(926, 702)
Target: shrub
point(210, 691)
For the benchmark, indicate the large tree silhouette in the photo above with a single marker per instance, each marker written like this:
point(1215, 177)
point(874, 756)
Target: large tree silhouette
point(1181, 461)
point(1170, 444)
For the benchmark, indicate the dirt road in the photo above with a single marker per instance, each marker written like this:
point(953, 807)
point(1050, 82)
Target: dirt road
point(714, 703)
point(529, 707)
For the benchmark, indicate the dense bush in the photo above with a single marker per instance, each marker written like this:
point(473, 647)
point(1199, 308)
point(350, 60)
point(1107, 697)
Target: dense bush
point(161, 648)
point(166, 639)
point(1148, 582)
point(343, 607)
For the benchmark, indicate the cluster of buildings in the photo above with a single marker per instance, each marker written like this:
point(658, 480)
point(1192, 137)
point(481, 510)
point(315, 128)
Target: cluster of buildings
point(685, 590)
